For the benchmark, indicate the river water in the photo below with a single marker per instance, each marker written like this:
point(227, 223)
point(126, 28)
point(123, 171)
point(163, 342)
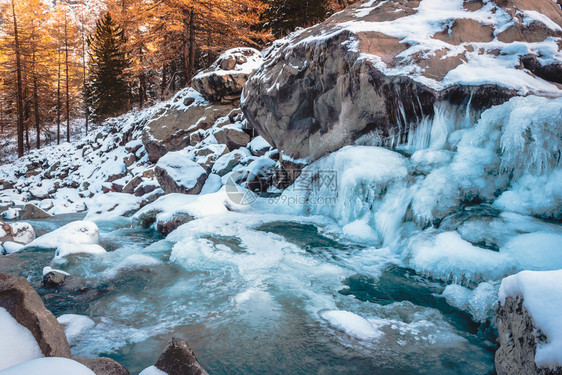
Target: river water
point(255, 294)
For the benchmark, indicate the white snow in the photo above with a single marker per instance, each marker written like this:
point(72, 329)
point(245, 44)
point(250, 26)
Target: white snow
point(152, 370)
point(539, 251)
point(22, 232)
point(75, 233)
point(258, 144)
point(48, 366)
point(75, 325)
point(11, 247)
point(181, 169)
point(112, 205)
point(542, 297)
point(48, 269)
point(352, 324)
point(17, 344)
point(66, 249)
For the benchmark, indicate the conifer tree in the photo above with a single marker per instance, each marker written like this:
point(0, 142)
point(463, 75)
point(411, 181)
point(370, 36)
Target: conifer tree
point(108, 88)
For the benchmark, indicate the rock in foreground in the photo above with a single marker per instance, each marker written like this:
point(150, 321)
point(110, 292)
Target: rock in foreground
point(529, 326)
point(179, 359)
point(24, 304)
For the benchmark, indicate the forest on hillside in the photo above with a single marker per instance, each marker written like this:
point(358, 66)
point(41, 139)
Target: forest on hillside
point(91, 59)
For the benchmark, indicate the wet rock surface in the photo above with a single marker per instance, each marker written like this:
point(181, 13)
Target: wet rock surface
point(178, 359)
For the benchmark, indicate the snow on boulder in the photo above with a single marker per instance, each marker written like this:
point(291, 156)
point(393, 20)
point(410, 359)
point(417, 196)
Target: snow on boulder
point(259, 146)
point(173, 210)
point(10, 247)
point(529, 326)
point(225, 79)
point(75, 325)
point(73, 238)
point(383, 68)
point(18, 344)
point(49, 366)
point(23, 303)
point(171, 127)
point(22, 233)
point(112, 205)
point(177, 173)
point(11, 213)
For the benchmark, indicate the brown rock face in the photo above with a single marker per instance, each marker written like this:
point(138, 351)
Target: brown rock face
point(334, 83)
point(24, 304)
point(179, 359)
point(170, 130)
point(103, 366)
point(232, 138)
point(518, 337)
point(31, 211)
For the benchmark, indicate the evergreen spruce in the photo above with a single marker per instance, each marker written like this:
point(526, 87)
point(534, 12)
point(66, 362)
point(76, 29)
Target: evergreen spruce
point(284, 16)
point(108, 93)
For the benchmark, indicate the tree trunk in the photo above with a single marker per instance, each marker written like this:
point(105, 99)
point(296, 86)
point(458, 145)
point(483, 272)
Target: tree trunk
point(36, 107)
point(67, 77)
point(86, 109)
point(142, 80)
point(58, 99)
point(189, 45)
point(19, 99)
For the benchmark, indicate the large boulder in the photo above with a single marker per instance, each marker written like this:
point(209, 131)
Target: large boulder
point(179, 359)
point(177, 173)
point(225, 79)
point(171, 127)
point(19, 298)
point(375, 71)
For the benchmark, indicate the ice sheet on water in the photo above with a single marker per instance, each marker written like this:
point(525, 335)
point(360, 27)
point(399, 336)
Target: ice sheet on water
point(479, 302)
point(447, 256)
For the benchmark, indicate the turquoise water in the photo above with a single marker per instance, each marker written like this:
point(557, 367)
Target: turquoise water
point(262, 320)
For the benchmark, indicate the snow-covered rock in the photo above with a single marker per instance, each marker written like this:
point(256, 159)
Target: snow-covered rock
point(383, 68)
point(170, 128)
point(73, 238)
point(18, 344)
point(225, 78)
point(172, 210)
point(529, 323)
point(177, 173)
point(19, 298)
point(49, 366)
